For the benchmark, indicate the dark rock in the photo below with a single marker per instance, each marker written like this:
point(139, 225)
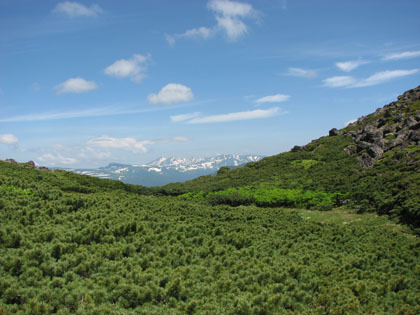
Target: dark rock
point(415, 126)
point(410, 122)
point(43, 168)
point(372, 136)
point(399, 117)
point(414, 135)
point(388, 114)
point(333, 132)
point(297, 148)
point(362, 145)
point(11, 161)
point(375, 151)
point(381, 122)
point(387, 129)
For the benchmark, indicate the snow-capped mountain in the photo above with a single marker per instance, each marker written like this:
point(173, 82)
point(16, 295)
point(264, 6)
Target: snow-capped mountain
point(166, 170)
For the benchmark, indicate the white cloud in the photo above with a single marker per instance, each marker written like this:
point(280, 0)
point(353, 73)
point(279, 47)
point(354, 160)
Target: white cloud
point(252, 114)
point(230, 8)
point(8, 138)
point(134, 68)
point(194, 33)
point(203, 32)
point(75, 9)
point(172, 93)
point(384, 76)
point(339, 81)
point(348, 66)
point(229, 17)
point(277, 98)
point(75, 85)
point(299, 72)
point(183, 117)
point(233, 27)
point(56, 159)
point(402, 55)
point(375, 79)
point(129, 144)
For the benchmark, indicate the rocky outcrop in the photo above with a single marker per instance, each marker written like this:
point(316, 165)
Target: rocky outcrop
point(394, 125)
point(30, 164)
point(11, 161)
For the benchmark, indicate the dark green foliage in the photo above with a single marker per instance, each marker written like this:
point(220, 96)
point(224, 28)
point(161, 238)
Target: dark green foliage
point(115, 251)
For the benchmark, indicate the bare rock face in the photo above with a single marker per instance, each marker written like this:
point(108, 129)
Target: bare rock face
point(394, 125)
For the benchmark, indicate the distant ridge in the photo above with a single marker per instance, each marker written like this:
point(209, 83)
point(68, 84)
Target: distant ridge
point(165, 170)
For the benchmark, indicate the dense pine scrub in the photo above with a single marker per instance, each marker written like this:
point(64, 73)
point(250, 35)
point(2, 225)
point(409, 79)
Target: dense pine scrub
point(72, 244)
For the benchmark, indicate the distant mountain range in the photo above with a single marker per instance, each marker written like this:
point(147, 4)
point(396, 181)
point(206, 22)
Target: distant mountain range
point(167, 170)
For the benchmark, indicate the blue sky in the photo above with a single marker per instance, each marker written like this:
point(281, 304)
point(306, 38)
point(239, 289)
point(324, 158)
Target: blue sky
point(86, 83)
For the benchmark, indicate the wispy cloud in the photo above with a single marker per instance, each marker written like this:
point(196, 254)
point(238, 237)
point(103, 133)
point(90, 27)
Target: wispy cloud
point(183, 117)
point(229, 17)
point(194, 33)
point(172, 93)
point(247, 115)
point(277, 98)
point(75, 85)
point(348, 66)
point(62, 115)
point(384, 76)
point(8, 138)
point(94, 112)
point(375, 79)
point(130, 144)
point(339, 81)
point(56, 159)
point(75, 9)
point(133, 68)
point(402, 55)
point(299, 72)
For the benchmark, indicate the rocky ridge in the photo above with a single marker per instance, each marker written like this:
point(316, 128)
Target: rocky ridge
point(394, 125)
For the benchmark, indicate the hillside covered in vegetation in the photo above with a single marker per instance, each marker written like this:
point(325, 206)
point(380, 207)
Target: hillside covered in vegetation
point(373, 165)
point(72, 243)
point(293, 233)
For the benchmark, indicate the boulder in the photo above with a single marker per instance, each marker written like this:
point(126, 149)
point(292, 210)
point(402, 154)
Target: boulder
point(333, 132)
point(297, 148)
point(414, 135)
